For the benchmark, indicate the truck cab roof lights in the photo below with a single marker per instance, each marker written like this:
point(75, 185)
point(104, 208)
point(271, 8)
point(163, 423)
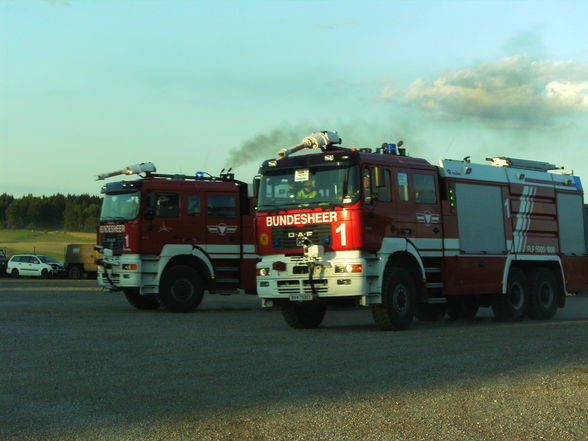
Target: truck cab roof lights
point(392, 149)
point(143, 167)
point(318, 140)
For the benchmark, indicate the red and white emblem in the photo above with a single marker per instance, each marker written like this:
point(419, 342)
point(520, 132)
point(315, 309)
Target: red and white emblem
point(222, 229)
point(428, 218)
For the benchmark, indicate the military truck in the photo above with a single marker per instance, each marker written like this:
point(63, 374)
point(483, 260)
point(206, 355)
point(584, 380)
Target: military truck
point(79, 261)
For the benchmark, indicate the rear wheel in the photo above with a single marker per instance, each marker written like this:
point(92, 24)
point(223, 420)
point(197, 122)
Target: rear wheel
point(14, 272)
point(303, 315)
point(140, 301)
point(543, 294)
point(181, 289)
point(45, 273)
point(513, 304)
point(398, 300)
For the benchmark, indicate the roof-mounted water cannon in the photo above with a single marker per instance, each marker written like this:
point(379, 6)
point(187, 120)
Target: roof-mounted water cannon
point(318, 140)
point(227, 176)
point(134, 169)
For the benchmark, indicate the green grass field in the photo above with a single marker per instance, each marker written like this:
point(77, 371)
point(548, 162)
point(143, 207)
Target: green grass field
point(51, 243)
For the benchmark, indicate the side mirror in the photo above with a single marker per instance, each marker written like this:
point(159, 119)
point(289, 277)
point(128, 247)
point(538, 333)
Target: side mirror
point(151, 206)
point(256, 184)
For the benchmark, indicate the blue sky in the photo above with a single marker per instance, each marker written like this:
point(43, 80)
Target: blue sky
point(92, 86)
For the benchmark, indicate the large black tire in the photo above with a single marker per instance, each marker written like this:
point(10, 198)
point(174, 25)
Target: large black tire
point(513, 304)
point(141, 301)
point(430, 312)
point(74, 272)
point(544, 293)
point(181, 289)
point(462, 308)
point(303, 315)
point(398, 300)
point(14, 272)
point(45, 273)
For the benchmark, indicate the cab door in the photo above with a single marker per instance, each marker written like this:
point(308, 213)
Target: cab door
point(376, 204)
point(418, 209)
point(164, 225)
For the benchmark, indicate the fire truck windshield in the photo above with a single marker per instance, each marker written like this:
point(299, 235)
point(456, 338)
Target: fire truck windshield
point(120, 206)
point(308, 187)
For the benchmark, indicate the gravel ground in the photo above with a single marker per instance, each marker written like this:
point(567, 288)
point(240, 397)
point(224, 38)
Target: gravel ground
point(78, 364)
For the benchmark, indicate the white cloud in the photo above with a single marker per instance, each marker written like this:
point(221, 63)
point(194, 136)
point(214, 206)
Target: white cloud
point(514, 91)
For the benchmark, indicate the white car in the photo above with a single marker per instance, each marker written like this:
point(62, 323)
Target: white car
point(33, 265)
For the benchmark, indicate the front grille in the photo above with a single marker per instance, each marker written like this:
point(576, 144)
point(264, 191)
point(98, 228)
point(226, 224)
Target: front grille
point(112, 241)
point(300, 269)
point(302, 286)
point(286, 238)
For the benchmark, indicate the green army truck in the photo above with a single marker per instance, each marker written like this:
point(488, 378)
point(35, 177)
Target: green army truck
point(80, 261)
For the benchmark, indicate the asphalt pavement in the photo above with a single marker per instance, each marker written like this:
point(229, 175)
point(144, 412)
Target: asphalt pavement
point(80, 364)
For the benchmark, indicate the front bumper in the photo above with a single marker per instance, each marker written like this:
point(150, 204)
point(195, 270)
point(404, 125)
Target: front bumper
point(294, 282)
point(114, 275)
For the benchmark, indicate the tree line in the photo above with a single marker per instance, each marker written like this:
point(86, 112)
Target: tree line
point(57, 212)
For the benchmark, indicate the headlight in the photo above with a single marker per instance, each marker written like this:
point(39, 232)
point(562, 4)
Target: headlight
point(263, 271)
point(349, 268)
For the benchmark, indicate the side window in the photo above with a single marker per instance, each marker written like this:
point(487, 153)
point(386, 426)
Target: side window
point(35, 260)
point(366, 184)
point(193, 204)
point(168, 205)
point(424, 189)
point(383, 191)
point(402, 182)
point(222, 206)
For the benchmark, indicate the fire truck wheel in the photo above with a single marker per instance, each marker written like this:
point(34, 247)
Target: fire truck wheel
point(513, 304)
point(398, 300)
point(181, 289)
point(462, 308)
point(139, 301)
point(303, 315)
point(543, 294)
point(430, 312)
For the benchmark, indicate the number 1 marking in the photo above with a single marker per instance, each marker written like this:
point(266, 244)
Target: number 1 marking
point(341, 229)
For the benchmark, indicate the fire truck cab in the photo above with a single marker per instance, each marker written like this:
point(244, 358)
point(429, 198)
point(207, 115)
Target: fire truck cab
point(168, 238)
point(407, 238)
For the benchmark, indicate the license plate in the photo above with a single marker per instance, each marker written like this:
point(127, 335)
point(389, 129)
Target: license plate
point(301, 297)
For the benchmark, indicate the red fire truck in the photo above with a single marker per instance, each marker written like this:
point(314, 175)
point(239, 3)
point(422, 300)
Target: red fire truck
point(168, 238)
point(407, 238)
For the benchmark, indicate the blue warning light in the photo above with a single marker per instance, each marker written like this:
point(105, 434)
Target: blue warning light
point(391, 149)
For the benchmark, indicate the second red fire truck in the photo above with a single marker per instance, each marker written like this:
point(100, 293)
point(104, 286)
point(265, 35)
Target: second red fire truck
point(404, 237)
point(168, 238)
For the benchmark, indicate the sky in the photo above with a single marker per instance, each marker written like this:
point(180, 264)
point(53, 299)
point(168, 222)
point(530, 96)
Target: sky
point(91, 86)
